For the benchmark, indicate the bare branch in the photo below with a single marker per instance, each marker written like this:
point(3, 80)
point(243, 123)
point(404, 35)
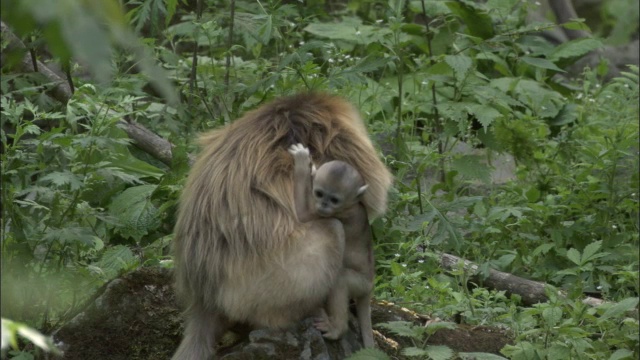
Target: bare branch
point(532, 292)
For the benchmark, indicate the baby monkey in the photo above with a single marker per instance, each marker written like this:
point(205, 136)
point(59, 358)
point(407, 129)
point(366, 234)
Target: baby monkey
point(335, 192)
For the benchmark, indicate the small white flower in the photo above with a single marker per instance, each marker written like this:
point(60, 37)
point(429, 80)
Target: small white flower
point(626, 85)
point(538, 3)
point(420, 261)
point(301, 43)
point(592, 100)
point(599, 287)
point(424, 82)
point(404, 265)
point(397, 255)
point(358, 32)
point(543, 108)
point(614, 226)
point(379, 21)
point(579, 96)
point(330, 61)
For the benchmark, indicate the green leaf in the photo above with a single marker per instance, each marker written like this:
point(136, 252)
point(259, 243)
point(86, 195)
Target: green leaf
point(433, 327)
point(402, 328)
point(590, 250)
point(540, 63)
point(552, 315)
point(478, 23)
point(559, 351)
point(88, 39)
point(577, 24)
point(567, 115)
point(574, 49)
point(472, 167)
point(349, 29)
point(621, 354)
point(412, 351)
point(439, 352)
point(574, 256)
point(618, 309)
point(135, 212)
point(480, 356)
point(62, 178)
point(461, 64)
point(485, 114)
point(116, 259)
point(369, 354)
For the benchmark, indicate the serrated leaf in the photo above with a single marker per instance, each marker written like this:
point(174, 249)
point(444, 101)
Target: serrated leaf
point(552, 315)
point(485, 114)
point(574, 49)
point(480, 356)
point(619, 309)
point(541, 63)
point(558, 351)
point(412, 351)
point(116, 259)
point(574, 256)
point(461, 64)
point(135, 212)
point(433, 327)
point(62, 178)
point(439, 352)
point(472, 167)
point(369, 354)
point(401, 328)
point(542, 249)
point(590, 250)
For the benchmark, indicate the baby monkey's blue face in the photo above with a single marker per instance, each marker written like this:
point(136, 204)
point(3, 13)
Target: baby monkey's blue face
point(336, 187)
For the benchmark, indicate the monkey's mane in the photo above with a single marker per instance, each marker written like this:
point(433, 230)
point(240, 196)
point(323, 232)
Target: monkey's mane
point(237, 205)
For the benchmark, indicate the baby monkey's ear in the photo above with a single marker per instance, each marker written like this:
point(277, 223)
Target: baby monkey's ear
point(362, 189)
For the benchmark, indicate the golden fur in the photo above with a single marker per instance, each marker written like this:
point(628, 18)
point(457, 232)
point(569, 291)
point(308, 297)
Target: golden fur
point(240, 254)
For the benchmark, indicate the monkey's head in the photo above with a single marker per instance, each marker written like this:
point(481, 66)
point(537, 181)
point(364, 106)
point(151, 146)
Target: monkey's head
point(336, 186)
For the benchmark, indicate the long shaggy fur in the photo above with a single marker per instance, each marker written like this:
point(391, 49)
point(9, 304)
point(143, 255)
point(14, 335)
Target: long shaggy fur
point(237, 240)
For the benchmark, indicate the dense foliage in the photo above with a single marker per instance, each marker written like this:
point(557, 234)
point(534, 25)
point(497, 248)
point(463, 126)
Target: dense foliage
point(447, 88)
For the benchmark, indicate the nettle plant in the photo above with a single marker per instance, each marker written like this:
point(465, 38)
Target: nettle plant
point(75, 203)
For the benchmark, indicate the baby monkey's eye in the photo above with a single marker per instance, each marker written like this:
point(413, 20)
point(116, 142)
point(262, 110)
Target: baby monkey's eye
point(318, 194)
point(334, 201)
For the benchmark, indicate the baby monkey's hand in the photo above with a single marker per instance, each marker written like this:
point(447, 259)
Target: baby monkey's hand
point(300, 154)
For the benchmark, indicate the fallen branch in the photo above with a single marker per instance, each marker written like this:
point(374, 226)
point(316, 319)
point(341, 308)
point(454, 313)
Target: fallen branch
point(142, 137)
point(531, 292)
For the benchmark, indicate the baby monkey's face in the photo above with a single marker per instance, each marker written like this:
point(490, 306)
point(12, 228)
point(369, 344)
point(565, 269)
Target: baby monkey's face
point(336, 187)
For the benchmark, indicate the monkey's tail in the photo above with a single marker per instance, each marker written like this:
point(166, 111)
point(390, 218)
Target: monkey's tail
point(363, 310)
point(202, 330)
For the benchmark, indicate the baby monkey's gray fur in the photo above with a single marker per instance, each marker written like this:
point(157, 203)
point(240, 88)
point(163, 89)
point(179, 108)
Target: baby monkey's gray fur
point(335, 190)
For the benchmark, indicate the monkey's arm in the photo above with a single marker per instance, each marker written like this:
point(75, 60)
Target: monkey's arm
point(301, 182)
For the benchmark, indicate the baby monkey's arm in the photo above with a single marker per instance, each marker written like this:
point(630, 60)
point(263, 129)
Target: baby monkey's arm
point(301, 182)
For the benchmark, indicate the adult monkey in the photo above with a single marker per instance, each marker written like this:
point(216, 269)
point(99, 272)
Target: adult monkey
point(241, 256)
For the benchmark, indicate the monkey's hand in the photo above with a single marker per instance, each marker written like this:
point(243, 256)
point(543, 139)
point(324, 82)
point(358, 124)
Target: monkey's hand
point(301, 157)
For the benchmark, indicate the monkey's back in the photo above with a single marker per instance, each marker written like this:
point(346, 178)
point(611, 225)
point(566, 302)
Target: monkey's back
point(236, 218)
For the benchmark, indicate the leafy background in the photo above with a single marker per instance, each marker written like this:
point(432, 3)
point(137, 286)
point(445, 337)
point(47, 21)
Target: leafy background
point(453, 93)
